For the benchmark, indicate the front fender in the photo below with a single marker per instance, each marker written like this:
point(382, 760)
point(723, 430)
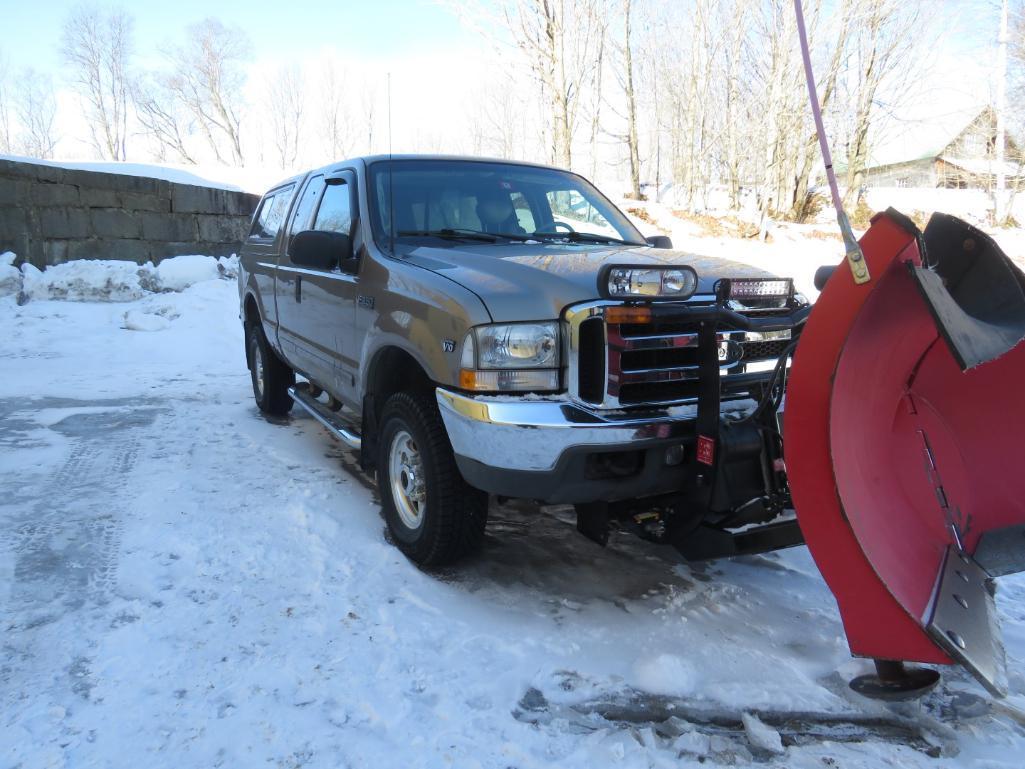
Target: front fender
point(424, 314)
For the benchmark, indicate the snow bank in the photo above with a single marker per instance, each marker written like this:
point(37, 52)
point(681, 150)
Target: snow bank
point(137, 320)
point(107, 280)
point(10, 276)
point(179, 273)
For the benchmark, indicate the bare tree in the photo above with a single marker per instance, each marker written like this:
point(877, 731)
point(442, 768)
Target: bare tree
point(286, 97)
point(847, 11)
point(1016, 56)
point(6, 137)
point(597, 96)
point(688, 74)
point(497, 117)
point(737, 13)
point(558, 39)
point(368, 107)
point(36, 109)
point(336, 119)
point(884, 40)
point(207, 78)
point(162, 118)
point(627, 82)
point(97, 47)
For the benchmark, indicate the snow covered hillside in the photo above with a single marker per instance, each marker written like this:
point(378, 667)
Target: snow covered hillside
point(184, 583)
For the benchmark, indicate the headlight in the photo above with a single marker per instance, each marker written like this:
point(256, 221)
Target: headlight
point(511, 356)
point(646, 282)
point(518, 345)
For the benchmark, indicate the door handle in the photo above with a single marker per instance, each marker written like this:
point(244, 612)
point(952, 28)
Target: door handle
point(298, 288)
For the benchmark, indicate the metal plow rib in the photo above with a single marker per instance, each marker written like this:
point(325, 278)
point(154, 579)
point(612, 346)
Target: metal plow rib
point(904, 448)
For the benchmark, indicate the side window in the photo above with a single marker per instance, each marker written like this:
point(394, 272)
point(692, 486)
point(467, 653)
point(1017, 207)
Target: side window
point(335, 213)
point(524, 216)
point(304, 208)
point(271, 213)
point(571, 208)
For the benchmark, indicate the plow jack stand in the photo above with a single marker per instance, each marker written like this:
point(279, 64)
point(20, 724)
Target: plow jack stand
point(904, 439)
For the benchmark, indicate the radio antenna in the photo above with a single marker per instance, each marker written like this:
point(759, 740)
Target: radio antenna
point(391, 186)
point(855, 257)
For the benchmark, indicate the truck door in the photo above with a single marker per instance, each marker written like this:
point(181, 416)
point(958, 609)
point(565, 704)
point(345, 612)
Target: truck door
point(321, 304)
point(264, 244)
point(288, 282)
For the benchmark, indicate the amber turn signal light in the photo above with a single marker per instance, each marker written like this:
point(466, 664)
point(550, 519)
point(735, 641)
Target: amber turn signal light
point(628, 314)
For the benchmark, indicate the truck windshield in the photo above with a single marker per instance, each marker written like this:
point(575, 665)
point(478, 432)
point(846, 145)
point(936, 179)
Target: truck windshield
point(485, 202)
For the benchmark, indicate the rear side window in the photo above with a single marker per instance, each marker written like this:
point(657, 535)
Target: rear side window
point(271, 214)
point(335, 214)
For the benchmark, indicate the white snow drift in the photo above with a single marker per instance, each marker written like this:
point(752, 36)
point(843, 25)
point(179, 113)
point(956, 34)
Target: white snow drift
point(109, 280)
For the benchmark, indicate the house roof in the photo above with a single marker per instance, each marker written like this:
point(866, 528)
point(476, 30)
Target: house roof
point(922, 139)
point(983, 166)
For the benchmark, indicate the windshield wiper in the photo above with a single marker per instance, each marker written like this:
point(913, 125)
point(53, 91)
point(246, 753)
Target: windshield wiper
point(585, 237)
point(513, 236)
point(452, 234)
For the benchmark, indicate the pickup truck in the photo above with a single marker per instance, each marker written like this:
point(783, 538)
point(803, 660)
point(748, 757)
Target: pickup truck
point(485, 327)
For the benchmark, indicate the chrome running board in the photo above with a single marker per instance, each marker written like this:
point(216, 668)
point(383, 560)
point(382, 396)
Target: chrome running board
point(343, 432)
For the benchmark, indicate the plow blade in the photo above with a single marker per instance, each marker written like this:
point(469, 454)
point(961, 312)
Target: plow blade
point(905, 441)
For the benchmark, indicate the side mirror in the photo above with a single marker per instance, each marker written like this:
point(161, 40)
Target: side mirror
point(823, 274)
point(321, 250)
point(660, 241)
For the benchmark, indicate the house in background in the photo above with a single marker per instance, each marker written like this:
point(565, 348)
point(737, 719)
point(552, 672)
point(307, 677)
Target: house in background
point(962, 158)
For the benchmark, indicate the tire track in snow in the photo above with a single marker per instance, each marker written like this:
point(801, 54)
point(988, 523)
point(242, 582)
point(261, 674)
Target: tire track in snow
point(64, 543)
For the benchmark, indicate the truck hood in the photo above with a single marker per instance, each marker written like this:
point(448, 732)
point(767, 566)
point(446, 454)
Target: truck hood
point(537, 281)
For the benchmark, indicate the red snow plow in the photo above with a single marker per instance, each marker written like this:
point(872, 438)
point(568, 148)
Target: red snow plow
point(904, 447)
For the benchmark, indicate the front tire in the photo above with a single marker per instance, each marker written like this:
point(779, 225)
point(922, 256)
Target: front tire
point(270, 375)
point(434, 516)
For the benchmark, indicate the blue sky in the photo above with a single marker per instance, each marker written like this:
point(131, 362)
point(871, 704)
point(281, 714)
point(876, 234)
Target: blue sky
point(30, 31)
point(423, 44)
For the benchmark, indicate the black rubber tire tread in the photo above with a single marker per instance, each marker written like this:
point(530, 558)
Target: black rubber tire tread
point(456, 512)
point(277, 375)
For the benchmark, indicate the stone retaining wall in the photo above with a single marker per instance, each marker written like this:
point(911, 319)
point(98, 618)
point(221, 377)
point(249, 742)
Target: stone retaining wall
point(50, 215)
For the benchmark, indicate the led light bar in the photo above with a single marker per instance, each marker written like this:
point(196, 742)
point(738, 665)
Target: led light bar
point(757, 288)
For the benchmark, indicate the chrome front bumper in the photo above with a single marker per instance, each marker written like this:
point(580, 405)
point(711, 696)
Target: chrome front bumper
point(522, 434)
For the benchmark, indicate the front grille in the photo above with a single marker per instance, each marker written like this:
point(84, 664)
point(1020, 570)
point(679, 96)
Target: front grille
point(764, 350)
point(635, 364)
point(657, 392)
point(639, 360)
point(591, 369)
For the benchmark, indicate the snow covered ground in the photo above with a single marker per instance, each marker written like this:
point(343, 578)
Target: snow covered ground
point(184, 583)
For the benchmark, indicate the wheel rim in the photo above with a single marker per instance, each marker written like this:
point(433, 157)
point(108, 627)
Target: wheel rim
point(408, 487)
point(257, 358)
